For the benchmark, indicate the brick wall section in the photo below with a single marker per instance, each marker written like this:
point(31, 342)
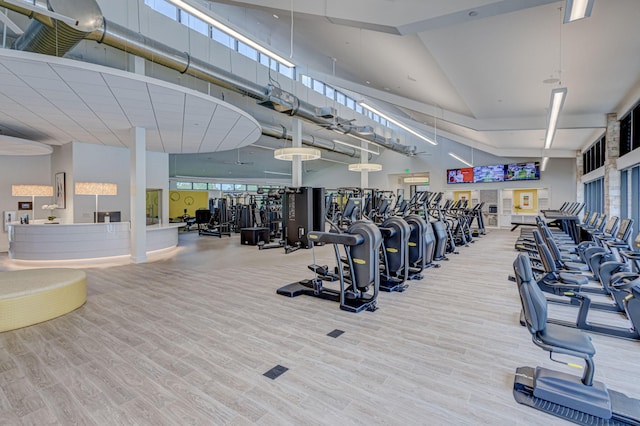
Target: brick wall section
point(611, 173)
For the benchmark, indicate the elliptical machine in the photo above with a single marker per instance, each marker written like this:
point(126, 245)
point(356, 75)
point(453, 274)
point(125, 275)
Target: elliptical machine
point(395, 254)
point(358, 272)
point(421, 244)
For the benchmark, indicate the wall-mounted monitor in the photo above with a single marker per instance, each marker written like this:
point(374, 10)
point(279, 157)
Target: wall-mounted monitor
point(522, 171)
point(464, 175)
point(488, 173)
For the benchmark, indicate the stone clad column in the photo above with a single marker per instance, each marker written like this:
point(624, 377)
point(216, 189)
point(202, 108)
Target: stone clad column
point(611, 173)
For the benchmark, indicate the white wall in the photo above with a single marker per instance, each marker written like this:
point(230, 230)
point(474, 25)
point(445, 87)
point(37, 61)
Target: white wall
point(97, 163)
point(22, 170)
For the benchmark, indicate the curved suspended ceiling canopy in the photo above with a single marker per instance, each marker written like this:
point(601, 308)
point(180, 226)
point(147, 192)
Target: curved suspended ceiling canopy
point(56, 101)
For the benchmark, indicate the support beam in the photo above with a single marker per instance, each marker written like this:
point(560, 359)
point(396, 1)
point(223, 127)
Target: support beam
point(296, 164)
point(138, 191)
point(364, 158)
point(579, 173)
point(611, 174)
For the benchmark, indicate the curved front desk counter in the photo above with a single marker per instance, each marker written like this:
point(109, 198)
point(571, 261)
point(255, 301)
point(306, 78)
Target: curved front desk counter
point(82, 240)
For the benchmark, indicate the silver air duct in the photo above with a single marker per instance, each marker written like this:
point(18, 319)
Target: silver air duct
point(280, 132)
point(52, 37)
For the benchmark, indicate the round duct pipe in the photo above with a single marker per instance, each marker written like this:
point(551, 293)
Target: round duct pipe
point(280, 132)
point(57, 38)
point(52, 37)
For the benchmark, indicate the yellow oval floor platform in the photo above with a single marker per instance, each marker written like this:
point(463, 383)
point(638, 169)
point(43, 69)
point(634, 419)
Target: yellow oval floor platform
point(35, 295)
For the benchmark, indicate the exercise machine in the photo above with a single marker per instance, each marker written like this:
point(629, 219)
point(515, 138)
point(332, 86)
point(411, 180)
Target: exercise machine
point(394, 271)
point(578, 399)
point(357, 273)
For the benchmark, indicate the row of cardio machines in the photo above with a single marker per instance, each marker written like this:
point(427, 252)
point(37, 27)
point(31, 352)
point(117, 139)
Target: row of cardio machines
point(605, 263)
point(381, 252)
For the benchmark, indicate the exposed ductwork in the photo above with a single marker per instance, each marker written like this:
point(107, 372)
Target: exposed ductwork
point(49, 36)
point(280, 132)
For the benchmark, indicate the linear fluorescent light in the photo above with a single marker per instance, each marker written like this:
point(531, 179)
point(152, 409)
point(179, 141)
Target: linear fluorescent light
point(277, 173)
point(396, 122)
point(460, 159)
point(577, 9)
point(417, 179)
point(356, 147)
point(204, 14)
point(557, 100)
point(543, 166)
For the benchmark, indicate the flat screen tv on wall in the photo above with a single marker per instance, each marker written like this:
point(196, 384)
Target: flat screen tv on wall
point(488, 173)
point(522, 171)
point(464, 175)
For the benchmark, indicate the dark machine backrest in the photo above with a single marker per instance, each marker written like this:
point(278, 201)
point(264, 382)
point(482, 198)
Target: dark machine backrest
point(365, 257)
point(396, 245)
point(430, 246)
point(417, 239)
point(553, 247)
point(546, 257)
point(203, 216)
point(612, 225)
point(534, 303)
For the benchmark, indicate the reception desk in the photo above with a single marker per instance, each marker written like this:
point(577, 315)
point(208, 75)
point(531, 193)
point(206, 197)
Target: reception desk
point(82, 240)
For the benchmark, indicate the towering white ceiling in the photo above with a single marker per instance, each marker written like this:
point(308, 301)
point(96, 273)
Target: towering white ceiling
point(478, 66)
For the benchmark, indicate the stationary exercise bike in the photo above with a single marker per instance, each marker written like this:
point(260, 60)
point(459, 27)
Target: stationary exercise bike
point(580, 400)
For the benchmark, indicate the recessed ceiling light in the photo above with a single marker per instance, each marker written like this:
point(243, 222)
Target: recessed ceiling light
point(551, 81)
point(473, 13)
point(276, 16)
point(368, 82)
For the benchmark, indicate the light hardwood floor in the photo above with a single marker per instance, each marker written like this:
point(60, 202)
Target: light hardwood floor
point(186, 341)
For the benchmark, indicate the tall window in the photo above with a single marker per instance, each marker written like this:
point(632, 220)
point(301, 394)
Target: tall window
point(593, 158)
point(164, 7)
point(594, 195)
point(634, 198)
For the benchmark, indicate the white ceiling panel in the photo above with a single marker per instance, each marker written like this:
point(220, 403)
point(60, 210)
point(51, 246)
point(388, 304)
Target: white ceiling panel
point(60, 101)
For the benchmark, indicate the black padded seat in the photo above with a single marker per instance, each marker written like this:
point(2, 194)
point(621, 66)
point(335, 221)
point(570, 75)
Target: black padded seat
point(576, 266)
point(569, 278)
point(563, 337)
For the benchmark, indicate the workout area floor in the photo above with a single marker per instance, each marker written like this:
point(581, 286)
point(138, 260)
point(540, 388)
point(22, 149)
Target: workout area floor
point(187, 341)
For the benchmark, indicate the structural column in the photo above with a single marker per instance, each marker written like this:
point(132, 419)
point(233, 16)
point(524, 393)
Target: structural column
point(364, 159)
point(611, 173)
point(579, 174)
point(296, 163)
point(138, 191)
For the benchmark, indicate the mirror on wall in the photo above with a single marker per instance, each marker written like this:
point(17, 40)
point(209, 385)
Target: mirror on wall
point(154, 206)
